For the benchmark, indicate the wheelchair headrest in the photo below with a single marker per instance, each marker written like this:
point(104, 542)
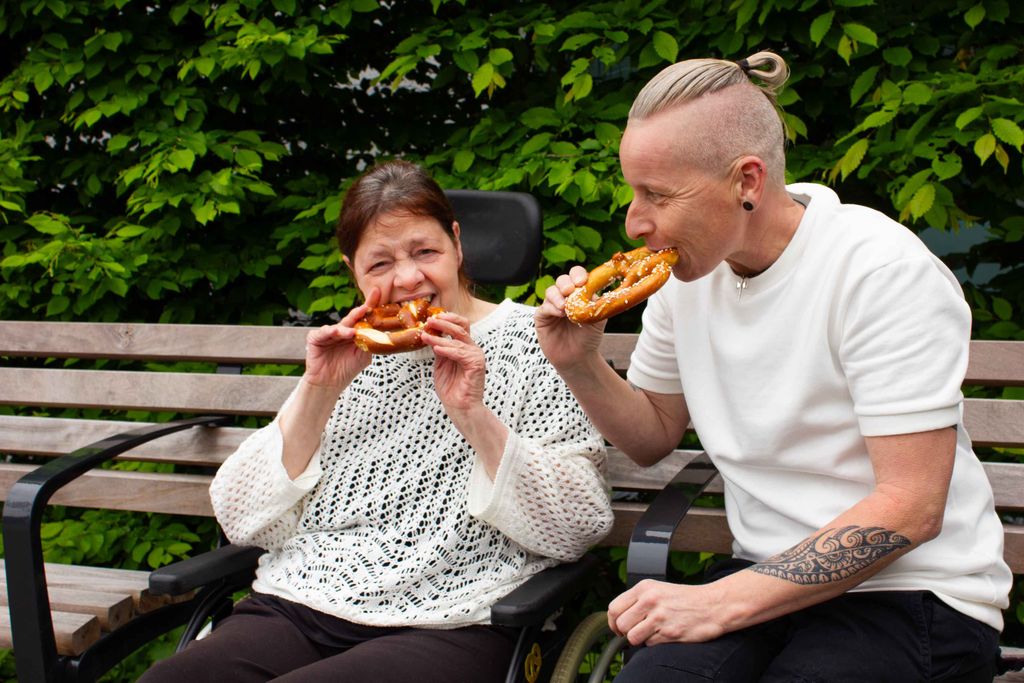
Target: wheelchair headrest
point(501, 235)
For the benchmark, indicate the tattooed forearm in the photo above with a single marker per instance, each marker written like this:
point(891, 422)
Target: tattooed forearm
point(833, 555)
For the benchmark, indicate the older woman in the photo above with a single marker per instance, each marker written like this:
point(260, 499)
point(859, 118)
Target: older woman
point(817, 348)
point(399, 496)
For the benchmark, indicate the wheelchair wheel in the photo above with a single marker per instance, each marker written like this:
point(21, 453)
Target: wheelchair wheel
point(583, 657)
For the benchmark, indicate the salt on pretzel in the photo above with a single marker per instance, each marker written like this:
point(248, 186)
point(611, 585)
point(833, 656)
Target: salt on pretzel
point(396, 327)
point(641, 271)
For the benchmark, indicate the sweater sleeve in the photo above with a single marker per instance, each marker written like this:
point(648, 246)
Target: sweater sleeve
point(549, 494)
point(254, 499)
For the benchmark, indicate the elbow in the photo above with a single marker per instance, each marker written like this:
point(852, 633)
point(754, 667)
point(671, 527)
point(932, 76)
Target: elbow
point(930, 527)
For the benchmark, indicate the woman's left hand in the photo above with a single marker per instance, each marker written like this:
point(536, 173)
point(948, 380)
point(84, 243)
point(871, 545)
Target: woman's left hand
point(459, 366)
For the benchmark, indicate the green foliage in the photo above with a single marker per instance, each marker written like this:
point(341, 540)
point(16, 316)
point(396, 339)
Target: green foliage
point(192, 154)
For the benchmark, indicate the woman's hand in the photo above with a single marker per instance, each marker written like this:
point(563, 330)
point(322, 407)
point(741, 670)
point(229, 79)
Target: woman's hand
point(459, 367)
point(563, 341)
point(332, 358)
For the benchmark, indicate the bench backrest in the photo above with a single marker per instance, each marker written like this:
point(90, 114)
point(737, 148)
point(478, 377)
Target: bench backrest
point(991, 422)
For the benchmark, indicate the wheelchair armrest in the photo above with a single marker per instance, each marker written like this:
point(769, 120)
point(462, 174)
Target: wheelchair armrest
point(28, 598)
point(649, 546)
point(543, 593)
point(234, 564)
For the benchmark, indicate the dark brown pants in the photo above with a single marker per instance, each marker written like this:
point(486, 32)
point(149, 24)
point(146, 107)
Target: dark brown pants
point(269, 639)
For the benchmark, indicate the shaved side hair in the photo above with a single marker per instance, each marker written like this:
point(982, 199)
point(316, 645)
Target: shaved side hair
point(742, 117)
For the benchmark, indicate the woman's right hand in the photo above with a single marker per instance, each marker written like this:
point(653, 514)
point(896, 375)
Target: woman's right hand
point(332, 358)
point(564, 342)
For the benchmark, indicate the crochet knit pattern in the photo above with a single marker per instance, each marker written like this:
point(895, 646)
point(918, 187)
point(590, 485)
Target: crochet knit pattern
point(395, 522)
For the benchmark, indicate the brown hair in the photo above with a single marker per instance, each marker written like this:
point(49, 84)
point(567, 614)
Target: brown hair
point(390, 187)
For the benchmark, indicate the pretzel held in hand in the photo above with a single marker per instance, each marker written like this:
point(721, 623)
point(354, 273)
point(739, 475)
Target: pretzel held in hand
point(642, 272)
point(393, 328)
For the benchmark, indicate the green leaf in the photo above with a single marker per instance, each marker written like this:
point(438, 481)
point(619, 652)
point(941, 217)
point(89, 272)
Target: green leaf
point(581, 87)
point(975, 15)
point(535, 144)
point(853, 157)
point(845, 48)
point(984, 146)
point(205, 212)
point(543, 282)
point(863, 83)
point(365, 5)
point(917, 93)
point(948, 166)
point(182, 158)
point(538, 117)
point(922, 200)
point(247, 158)
point(666, 46)
point(324, 303)
point(579, 40)
point(514, 292)
point(877, 118)
point(48, 225)
point(1002, 308)
point(43, 80)
point(967, 116)
point(499, 55)
point(861, 33)
point(607, 133)
point(57, 305)
point(483, 77)
point(463, 160)
point(1009, 132)
point(820, 27)
point(560, 253)
point(897, 56)
point(587, 237)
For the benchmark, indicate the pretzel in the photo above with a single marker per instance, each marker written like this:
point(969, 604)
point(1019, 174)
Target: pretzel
point(394, 328)
point(642, 272)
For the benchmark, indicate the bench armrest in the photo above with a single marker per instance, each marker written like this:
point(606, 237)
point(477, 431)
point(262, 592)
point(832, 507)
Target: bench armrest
point(235, 564)
point(29, 602)
point(544, 592)
point(649, 545)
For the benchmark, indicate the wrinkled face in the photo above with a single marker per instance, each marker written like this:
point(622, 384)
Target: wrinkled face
point(674, 204)
point(409, 257)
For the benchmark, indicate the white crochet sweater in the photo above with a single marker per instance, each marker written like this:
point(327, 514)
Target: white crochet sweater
point(395, 522)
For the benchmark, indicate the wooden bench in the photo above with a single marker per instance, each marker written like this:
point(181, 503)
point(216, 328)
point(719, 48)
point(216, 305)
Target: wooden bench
point(91, 606)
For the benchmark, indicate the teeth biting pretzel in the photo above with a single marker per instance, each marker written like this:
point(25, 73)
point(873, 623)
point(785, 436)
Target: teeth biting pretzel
point(642, 272)
point(394, 328)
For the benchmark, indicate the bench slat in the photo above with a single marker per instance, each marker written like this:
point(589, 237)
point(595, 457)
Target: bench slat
point(131, 582)
point(994, 422)
point(112, 609)
point(210, 343)
point(52, 436)
point(181, 494)
point(73, 632)
point(157, 391)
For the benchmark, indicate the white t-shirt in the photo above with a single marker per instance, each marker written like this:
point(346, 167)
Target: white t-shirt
point(856, 330)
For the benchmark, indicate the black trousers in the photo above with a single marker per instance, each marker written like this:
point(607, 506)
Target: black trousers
point(876, 637)
point(269, 639)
